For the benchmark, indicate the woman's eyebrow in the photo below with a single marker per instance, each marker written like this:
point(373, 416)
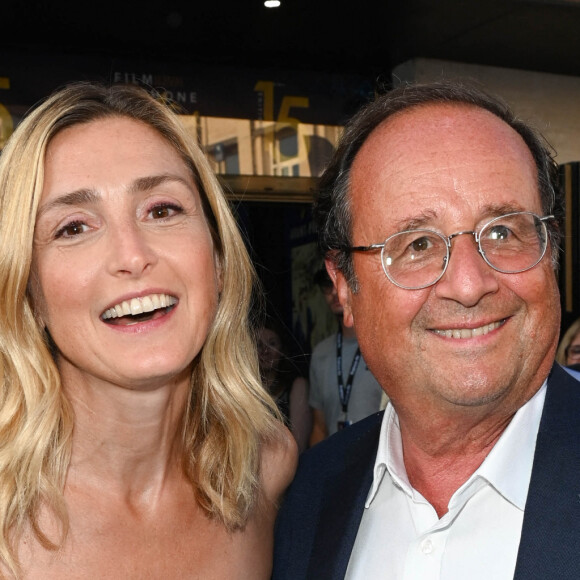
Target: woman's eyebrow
point(86, 196)
point(152, 181)
point(77, 197)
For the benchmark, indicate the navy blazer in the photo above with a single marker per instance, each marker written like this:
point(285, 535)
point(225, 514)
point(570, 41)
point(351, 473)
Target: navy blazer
point(319, 519)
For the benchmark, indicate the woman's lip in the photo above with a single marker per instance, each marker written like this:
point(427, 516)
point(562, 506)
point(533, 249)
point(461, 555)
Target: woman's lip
point(139, 305)
point(144, 325)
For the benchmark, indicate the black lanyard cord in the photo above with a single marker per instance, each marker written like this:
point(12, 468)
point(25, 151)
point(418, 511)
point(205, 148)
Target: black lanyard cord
point(344, 391)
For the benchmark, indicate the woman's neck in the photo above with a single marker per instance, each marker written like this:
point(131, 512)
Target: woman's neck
point(126, 438)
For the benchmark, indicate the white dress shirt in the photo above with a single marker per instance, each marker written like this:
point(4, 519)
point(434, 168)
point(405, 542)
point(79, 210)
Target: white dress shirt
point(402, 538)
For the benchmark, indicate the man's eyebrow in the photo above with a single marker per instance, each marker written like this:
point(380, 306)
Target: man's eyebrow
point(415, 222)
point(494, 210)
point(426, 218)
point(87, 196)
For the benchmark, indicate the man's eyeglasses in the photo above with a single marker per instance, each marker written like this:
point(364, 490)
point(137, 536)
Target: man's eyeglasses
point(416, 259)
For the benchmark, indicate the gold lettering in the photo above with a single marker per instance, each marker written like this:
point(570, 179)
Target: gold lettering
point(267, 90)
point(287, 104)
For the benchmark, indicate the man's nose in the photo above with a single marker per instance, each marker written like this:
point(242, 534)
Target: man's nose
point(468, 276)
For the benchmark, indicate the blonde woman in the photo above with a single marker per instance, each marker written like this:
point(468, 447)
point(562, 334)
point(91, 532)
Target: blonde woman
point(568, 352)
point(282, 378)
point(136, 440)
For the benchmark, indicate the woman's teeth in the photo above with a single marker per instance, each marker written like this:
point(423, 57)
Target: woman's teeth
point(141, 305)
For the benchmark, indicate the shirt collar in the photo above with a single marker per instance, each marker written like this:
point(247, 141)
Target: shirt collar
point(507, 468)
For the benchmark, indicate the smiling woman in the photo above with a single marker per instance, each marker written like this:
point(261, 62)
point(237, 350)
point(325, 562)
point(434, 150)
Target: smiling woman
point(132, 413)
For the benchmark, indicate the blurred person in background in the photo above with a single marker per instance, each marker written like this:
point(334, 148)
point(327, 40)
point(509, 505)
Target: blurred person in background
point(569, 348)
point(568, 353)
point(282, 378)
point(342, 388)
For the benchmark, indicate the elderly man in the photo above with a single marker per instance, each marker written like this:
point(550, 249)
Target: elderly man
point(439, 218)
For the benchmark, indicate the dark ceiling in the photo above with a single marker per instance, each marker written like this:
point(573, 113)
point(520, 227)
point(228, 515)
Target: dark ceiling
point(360, 36)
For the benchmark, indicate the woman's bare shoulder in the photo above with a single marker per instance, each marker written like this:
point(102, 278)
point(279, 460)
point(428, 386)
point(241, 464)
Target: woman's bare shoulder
point(279, 462)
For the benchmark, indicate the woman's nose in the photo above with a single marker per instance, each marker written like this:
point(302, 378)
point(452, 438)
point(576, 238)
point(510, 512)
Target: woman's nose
point(131, 251)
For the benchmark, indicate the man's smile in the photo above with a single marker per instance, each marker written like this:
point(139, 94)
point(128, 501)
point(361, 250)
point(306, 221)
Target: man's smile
point(468, 332)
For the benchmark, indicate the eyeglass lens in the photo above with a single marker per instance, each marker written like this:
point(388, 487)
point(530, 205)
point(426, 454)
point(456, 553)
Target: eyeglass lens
point(511, 243)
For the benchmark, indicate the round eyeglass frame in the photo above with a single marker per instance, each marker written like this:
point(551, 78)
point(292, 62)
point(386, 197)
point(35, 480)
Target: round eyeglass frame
point(447, 241)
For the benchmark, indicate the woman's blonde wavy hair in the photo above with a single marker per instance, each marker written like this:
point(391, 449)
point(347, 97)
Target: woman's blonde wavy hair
point(569, 336)
point(229, 414)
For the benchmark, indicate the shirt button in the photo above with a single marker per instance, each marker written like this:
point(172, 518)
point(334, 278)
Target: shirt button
point(427, 546)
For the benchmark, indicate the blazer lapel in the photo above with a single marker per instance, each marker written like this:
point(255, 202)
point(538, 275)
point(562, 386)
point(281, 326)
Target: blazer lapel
point(344, 495)
point(550, 542)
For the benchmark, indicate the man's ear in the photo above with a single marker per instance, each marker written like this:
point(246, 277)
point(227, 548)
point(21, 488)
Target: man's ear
point(343, 290)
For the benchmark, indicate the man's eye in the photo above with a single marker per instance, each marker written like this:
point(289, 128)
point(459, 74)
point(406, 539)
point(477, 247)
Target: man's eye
point(421, 244)
point(72, 229)
point(164, 211)
point(499, 232)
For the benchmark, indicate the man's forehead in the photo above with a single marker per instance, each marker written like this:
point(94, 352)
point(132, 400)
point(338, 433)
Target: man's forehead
point(440, 127)
point(441, 154)
point(440, 116)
